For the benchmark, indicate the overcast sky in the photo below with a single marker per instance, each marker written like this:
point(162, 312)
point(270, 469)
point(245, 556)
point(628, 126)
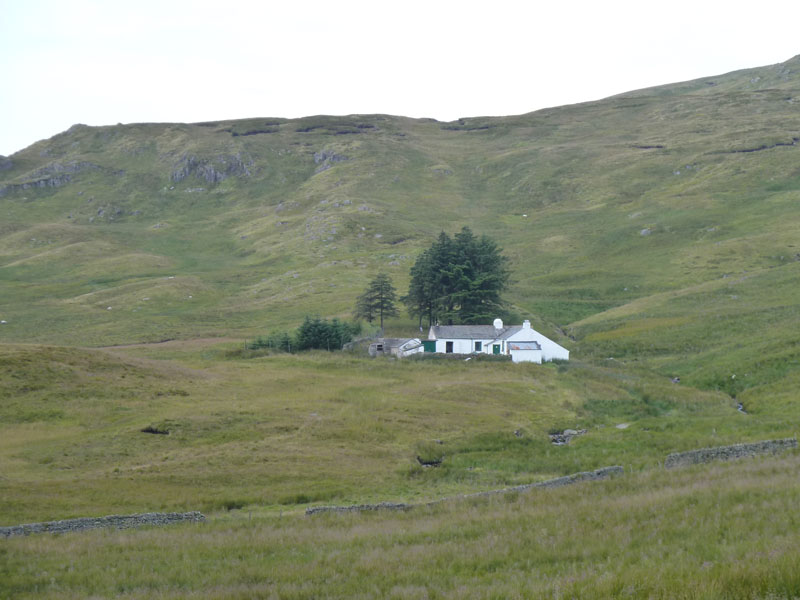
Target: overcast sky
point(102, 62)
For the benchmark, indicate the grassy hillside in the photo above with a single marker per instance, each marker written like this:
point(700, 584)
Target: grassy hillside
point(653, 233)
point(723, 532)
point(236, 227)
point(284, 430)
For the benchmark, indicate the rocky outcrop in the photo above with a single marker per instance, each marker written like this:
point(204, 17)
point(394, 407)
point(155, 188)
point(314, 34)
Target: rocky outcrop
point(735, 452)
point(57, 168)
point(329, 156)
point(564, 437)
point(5, 163)
point(211, 170)
point(326, 159)
point(112, 521)
point(55, 174)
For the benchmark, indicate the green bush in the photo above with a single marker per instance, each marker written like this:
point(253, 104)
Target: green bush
point(314, 333)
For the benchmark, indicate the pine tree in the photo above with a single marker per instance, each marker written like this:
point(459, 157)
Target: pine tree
point(458, 280)
point(378, 300)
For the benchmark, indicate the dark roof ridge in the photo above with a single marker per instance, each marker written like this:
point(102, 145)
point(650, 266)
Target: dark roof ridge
point(474, 331)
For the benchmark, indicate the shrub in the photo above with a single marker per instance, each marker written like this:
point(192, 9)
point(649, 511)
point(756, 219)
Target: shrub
point(320, 334)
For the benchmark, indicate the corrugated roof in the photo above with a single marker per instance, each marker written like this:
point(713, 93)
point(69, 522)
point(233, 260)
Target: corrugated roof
point(394, 342)
point(524, 346)
point(473, 332)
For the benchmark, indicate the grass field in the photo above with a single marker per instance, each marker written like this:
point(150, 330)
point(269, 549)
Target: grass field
point(654, 234)
point(283, 430)
point(727, 531)
point(253, 442)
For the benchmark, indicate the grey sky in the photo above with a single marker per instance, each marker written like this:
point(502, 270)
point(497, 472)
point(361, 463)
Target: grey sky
point(103, 62)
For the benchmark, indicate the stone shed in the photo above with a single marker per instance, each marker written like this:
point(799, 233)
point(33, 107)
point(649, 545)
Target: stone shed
point(398, 347)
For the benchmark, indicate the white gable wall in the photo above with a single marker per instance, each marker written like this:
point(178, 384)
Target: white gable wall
point(526, 356)
point(550, 350)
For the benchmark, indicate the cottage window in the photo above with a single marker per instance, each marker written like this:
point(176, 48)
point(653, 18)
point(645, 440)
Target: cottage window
point(478, 347)
point(379, 348)
point(449, 347)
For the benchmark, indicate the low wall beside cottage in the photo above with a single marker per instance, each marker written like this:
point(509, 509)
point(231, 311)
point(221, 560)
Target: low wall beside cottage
point(112, 521)
point(735, 452)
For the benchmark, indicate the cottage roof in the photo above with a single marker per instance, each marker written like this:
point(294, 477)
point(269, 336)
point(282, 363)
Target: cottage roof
point(395, 342)
point(524, 346)
point(472, 332)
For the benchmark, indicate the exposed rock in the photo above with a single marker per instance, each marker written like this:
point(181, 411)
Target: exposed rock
point(213, 170)
point(328, 156)
point(559, 439)
point(55, 168)
point(5, 163)
point(53, 175)
point(286, 206)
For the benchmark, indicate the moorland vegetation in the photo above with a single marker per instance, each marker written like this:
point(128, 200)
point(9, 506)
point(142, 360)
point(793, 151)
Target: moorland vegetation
point(653, 233)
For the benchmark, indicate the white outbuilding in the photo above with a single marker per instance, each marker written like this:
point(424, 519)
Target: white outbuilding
point(521, 342)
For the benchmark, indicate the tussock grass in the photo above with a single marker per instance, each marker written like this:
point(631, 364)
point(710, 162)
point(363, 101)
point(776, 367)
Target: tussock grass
point(639, 234)
point(715, 531)
point(288, 430)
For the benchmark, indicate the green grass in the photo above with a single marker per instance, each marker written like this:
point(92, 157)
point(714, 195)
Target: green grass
point(639, 235)
point(724, 531)
point(259, 252)
point(321, 427)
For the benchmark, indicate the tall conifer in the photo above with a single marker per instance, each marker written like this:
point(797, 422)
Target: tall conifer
point(458, 280)
point(378, 300)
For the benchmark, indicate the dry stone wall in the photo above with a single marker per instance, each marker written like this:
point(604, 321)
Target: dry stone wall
point(113, 521)
point(550, 483)
point(735, 452)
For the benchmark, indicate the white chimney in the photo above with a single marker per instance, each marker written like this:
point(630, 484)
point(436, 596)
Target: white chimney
point(526, 324)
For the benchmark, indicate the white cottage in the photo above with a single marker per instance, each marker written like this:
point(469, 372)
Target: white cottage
point(521, 342)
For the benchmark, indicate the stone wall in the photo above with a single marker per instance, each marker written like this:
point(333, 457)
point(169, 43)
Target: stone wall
point(114, 521)
point(735, 452)
point(550, 483)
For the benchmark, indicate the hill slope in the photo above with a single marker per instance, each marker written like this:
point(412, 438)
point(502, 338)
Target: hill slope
point(657, 225)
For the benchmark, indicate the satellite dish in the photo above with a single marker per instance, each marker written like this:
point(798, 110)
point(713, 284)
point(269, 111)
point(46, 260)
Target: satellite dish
point(498, 323)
